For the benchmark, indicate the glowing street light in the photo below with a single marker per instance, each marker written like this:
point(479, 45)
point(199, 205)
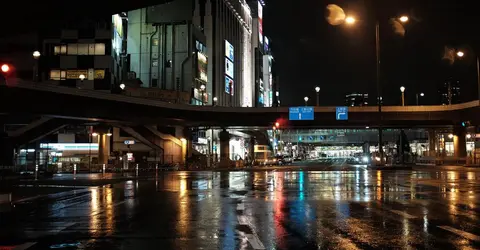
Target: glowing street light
point(350, 20)
point(317, 90)
point(460, 53)
point(402, 89)
point(122, 86)
point(403, 19)
point(94, 134)
point(306, 100)
point(421, 95)
point(5, 68)
point(82, 77)
point(450, 136)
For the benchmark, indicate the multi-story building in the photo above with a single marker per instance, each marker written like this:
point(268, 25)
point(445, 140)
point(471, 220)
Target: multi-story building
point(356, 99)
point(449, 92)
point(202, 48)
point(83, 55)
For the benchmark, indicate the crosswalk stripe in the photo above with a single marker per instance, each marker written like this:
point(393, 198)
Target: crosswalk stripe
point(458, 232)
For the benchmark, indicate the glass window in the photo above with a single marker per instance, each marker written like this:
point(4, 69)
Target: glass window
point(100, 49)
point(57, 74)
point(72, 49)
point(82, 49)
point(63, 49)
point(91, 49)
point(54, 74)
point(60, 50)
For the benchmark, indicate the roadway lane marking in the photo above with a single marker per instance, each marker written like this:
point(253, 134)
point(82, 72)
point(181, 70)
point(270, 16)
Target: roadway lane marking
point(403, 214)
point(255, 241)
point(102, 210)
point(253, 237)
point(458, 232)
point(24, 246)
point(240, 206)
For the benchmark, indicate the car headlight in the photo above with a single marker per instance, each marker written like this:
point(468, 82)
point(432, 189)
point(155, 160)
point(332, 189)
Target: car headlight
point(365, 159)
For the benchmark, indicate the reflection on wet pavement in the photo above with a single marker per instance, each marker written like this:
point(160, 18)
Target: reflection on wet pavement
point(258, 210)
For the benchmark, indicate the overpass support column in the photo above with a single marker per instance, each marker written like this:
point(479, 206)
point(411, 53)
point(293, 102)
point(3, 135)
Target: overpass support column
point(224, 148)
point(103, 148)
point(432, 142)
point(459, 142)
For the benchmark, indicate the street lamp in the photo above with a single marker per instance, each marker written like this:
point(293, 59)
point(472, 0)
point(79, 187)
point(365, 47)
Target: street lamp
point(461, 54)
point(403, 19)
point(122, 86)
point(450, 136)
point(402, 89)
point(317, 90)
point(36, 55)
point(421, 95)
point(215, 99)
point(82, 77)
point(202, 88)
point(306, 100)
point(350, 20)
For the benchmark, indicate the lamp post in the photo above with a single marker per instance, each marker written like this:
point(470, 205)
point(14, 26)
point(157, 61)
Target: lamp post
point(82, 77)
point(202, 88)
point(215, 99)
point(402, 89)
point(306, 100)
point(421, 95)
point(349, 20)
point(36, 56)
point(317, 90)
point(462, 54)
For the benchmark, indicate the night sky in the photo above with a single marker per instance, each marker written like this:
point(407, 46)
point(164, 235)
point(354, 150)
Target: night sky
point(340, 59)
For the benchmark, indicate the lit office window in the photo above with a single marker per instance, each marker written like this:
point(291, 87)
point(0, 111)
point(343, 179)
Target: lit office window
point(57, 74)
point(60, 50)
point(82, 49)
point(72, 49)
point(100, 49)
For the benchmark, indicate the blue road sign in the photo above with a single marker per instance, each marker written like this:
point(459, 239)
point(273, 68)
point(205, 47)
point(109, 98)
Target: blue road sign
point(341, 113)
point(301, 113)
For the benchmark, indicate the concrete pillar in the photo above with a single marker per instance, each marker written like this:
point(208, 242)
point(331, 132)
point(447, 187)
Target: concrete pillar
point(103, 148)
point(432, 142)
point(251, 148)
point(224, 147)
point(459, 142)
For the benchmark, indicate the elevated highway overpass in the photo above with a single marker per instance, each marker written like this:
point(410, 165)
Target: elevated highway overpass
point(37, 99)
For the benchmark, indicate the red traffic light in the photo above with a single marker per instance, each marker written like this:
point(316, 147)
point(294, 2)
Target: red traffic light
point(5, 68)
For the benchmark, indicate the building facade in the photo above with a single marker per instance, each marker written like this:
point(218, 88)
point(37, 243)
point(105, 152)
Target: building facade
point(356, 99)
point(449, 92)
point(81, 55)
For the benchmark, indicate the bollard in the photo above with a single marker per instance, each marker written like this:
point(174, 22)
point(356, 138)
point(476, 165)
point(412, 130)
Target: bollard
point(156, 166)
point(74, 171)
point(103, 169)
point(36, 172)
point(136, 169)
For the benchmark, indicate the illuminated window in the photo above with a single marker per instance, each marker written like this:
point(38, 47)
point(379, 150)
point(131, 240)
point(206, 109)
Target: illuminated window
point(100, 49)
point(60, 50)
point(57, 74)
point(72, 49)
point(82, 49)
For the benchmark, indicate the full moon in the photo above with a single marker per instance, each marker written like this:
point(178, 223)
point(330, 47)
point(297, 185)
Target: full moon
point(334, 14)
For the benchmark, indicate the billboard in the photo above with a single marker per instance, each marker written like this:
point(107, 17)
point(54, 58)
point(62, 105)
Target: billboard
point(228, 68)
point(229, 85)
point(260, 22)
point(229, 50)
point(202, 67)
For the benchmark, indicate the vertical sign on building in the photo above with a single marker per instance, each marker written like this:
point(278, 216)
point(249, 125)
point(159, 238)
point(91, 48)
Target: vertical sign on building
point(229, 73)
point(260, 22)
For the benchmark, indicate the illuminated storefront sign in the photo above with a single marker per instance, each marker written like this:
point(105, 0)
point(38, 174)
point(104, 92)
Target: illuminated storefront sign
point(69, 146)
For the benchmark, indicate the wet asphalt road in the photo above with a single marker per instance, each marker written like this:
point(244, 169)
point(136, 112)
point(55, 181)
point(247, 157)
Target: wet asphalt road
point(355, 209)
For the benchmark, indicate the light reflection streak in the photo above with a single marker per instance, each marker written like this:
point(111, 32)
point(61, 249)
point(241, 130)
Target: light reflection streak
point(109, 213)
point(183, 213)
point(94, 222)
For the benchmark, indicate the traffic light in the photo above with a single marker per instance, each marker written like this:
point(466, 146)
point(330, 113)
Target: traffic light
point(5, 68)
point(6, 71)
